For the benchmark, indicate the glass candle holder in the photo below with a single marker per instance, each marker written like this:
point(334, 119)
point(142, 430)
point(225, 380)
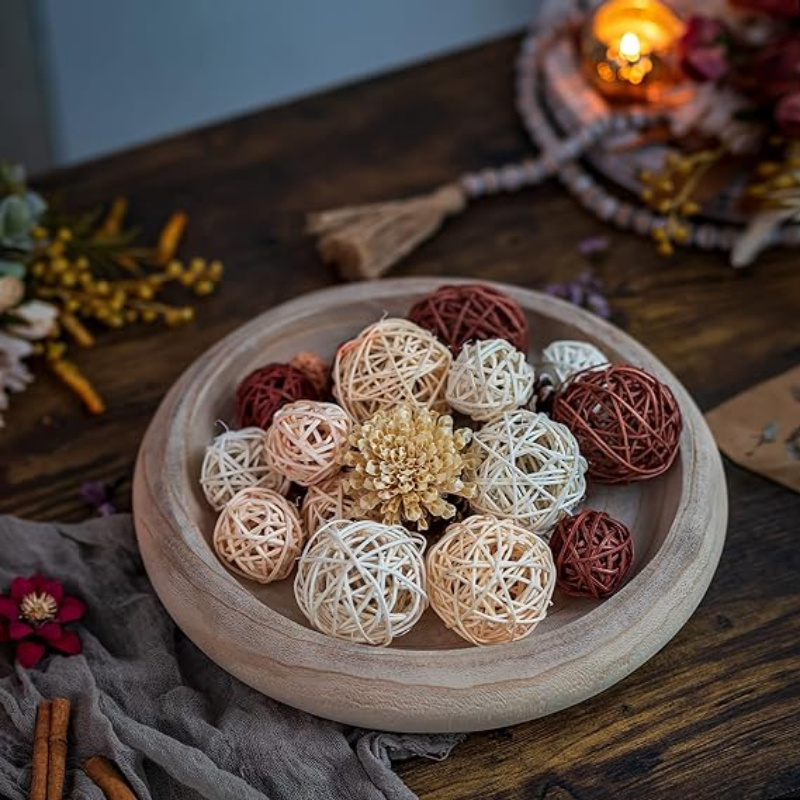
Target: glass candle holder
point(630, 49)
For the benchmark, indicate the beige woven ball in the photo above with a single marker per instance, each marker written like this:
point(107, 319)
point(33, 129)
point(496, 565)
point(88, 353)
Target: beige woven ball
point(306, 440)
point(258, 535)
point(490, 580)
point(566, 358)
point(362, 581)
point(529, 469)
point(236, 460)
point(326, 501)
point(489, 377)
point(389, 362)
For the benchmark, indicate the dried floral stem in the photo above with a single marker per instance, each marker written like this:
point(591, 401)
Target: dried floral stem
point(72, 377)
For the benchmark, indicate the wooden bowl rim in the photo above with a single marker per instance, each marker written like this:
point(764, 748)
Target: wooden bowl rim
point(665, 581)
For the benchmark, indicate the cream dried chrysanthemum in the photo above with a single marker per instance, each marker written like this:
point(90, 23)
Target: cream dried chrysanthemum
point(404, 462)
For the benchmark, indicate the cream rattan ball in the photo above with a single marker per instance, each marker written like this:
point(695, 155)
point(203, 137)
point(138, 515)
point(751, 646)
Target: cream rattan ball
point(326, 501)
point(490, 580)
point(306, 440)
point(530, 469)
point(566, 358)
point(259, 535)
point(489, 377)
point(388, 362)
point(236, 460)
point(362, 581)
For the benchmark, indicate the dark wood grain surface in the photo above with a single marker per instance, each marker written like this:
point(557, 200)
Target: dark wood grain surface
point(717, 712)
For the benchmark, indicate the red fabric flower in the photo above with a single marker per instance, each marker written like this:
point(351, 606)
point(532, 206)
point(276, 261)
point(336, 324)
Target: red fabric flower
point(33, 615)
point(774, 71)
point(703, 49)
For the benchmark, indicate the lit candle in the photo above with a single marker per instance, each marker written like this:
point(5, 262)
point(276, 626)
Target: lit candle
point(629, 48)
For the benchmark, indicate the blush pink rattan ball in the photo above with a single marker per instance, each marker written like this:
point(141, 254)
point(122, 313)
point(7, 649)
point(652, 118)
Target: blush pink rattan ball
point(627, 422)
point(593, 554)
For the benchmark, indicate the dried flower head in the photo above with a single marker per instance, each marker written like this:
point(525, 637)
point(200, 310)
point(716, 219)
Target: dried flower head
point(405, 461)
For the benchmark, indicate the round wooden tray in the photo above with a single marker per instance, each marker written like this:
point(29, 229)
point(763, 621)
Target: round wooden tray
point(429, 680)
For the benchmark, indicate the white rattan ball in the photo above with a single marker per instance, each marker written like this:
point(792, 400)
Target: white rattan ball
point(489, 377)
point(236, 460)
point(326, 501)
point(566, 358)
point(306, 440)
point(490, 580)
point(530, 469)
point(258, 535)
point(362, 581)
point(389, 362)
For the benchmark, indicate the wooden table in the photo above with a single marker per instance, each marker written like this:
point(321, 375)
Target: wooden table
point(715, 714)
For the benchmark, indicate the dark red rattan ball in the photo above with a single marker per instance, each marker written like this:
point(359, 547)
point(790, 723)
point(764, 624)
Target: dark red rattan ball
point(593, 553)
point(466, 313)
point(268, 388)
point(627, 423)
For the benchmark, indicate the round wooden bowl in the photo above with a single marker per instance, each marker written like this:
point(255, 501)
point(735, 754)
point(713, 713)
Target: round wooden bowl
point(429, 680)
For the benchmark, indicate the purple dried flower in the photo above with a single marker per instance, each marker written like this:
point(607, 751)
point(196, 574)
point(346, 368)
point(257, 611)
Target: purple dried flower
point(586, 291)
point(98, 495)
point(593, 246)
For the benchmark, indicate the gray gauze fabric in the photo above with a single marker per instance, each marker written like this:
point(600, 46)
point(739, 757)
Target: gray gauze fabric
point(144, 696)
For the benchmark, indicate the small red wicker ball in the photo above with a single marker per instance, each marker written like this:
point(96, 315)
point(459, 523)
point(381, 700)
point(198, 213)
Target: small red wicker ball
point(593, 553)
point(470, 312)
point(627, 423)
point(268, 388)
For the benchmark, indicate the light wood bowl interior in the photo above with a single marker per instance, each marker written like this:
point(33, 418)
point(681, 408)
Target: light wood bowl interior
point(430, 679)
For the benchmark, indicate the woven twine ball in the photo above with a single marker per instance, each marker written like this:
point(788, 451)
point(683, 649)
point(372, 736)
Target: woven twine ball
point(258, 535)
point(627, 422)
point(593, 553)
point(326, 501)
point(236, 460)
point(566, 358)
point(530, 469)
point(316, 369)
point(488, 377)
point(389, 362)
point(306, 440)
point(268, 388)
point(362, 581)
point(470, 312)
point(490, 580)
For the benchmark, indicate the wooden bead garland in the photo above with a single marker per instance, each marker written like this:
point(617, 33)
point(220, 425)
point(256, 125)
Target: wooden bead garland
point(362, 581)
point(326, 501)
point(236, 460)
point(627, 422)
point(566, 358)
point(530, 470)
point(470, 312)
point(258, 535)
point(490, 580)
point(389, 362)
point(488, 377)
point(593, 553)
point(306, 440)
point(268, 388)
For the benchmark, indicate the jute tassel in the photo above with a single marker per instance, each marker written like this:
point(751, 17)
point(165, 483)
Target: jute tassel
point(364, 241)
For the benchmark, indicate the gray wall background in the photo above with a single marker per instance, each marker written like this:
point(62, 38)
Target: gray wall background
point(117, 74)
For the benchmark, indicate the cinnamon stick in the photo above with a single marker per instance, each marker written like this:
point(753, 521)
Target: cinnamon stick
point(41, 733)
point(108, 778)
point(57, 746)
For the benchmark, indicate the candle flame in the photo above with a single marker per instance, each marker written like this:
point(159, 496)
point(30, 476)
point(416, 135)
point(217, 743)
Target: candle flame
point(629, 47)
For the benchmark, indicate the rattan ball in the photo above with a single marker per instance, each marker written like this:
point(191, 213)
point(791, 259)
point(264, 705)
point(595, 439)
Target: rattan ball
point(490, 580)
point(316, 369)
point(258, 535)
point(470, 312)
point(362, 581)
point(268, 388)
point(307, 439)
point(530, 470)
point(593, 553)
point(627, 422)
point(566, 358)
point(390, 361)
point(326, 501)
point(236, 460)
point(488, 377)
